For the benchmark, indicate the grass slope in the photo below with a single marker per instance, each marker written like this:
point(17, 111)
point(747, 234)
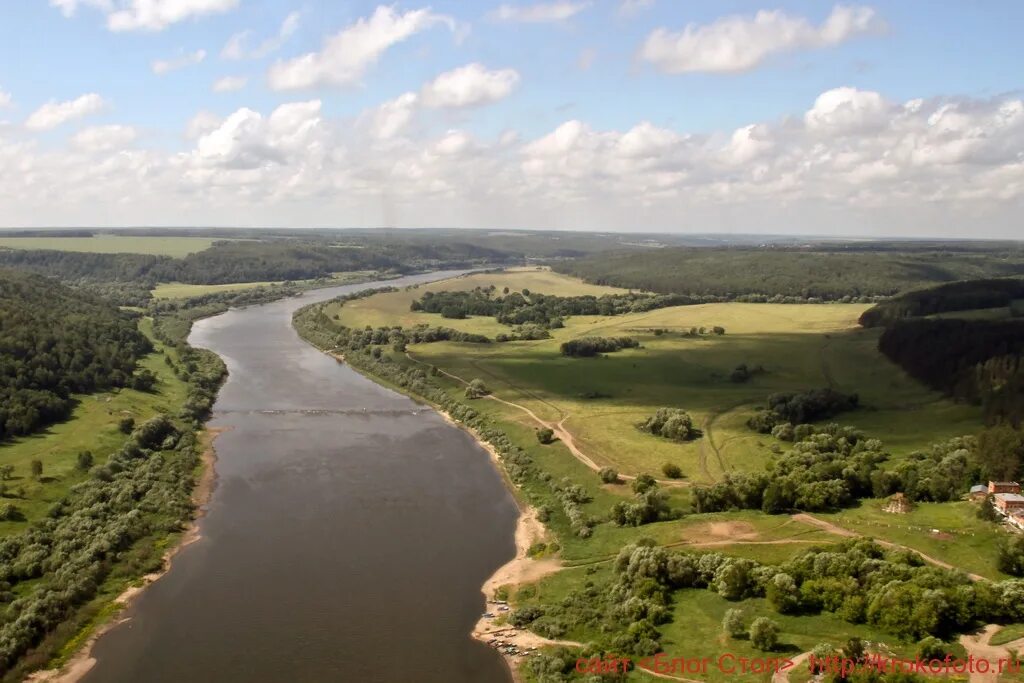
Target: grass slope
point(92, 427)
point(800, 346)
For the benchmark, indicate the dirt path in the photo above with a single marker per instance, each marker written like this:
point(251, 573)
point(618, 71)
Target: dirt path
point(783, 676)
point(978, 647)
point(840, 531)
point(563, 434)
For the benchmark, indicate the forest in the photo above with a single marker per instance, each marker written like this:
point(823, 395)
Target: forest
point(54, 343)
point(955, 296)
point(789, 274)
point(127, 278)
point(972, 360)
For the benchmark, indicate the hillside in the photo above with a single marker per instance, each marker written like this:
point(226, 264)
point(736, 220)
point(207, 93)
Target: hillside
point(56, 342)
point(779, 273)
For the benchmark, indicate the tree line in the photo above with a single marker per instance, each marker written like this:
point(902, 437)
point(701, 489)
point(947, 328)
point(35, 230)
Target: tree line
point(787, 274)
point(955, 296)
point(546, 310)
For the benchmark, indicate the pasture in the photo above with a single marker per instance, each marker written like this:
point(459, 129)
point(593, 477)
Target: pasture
point(175, 247)
point(600, 400)
point(93, 427)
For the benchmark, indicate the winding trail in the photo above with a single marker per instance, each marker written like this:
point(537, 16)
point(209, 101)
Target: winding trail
point(979, 646)
point(559, 429)
point(841, 531)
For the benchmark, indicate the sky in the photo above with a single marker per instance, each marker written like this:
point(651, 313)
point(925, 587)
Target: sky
point(897, 118)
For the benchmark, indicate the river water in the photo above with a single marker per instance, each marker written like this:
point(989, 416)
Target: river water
point(346, 540)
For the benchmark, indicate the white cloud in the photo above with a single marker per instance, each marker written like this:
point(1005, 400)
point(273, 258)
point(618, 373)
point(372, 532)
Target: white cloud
point(201, 124)
point(146, 15)
point(631, 7)
point(392, 117)
point(347, 55)
point(846, 110)
point(5, 99)
point(53, 114)
point(739, 43)
point(246, 140)
point(103, 138)
point(469, 86)
point(230, 83)
point(235, 48)
point(156, 15)
point(165, 66)
point(541, 13)
point(853, 160)
point(69, 7)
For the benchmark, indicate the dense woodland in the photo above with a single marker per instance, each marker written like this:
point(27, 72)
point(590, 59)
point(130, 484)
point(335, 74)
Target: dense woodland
point(790, 274)
point(54, 343)
point(956, 296)
point(127, 278)
point(973, 360)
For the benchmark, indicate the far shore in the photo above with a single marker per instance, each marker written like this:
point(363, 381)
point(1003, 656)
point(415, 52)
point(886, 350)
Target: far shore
point(82, 661)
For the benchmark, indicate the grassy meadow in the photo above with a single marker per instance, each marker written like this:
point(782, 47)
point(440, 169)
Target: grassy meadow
point(92, 427)
point(113, 244)
point(800, 347)
point(599, 400)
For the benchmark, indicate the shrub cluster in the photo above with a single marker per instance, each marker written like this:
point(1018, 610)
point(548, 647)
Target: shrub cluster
point(585, 347)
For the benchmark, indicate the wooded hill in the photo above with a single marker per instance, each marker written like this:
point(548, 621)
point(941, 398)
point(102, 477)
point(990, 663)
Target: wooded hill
point(977, 360)
point(55, 342)
point(782, 274)
point(127, 278)
point(956, 296)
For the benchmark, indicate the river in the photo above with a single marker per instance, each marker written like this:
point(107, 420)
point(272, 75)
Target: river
point(346, 540)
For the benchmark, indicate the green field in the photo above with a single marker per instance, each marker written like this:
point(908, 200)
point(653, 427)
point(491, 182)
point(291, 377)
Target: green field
point(949, 532)
point(113, 244)
point(800, 346)
point(92, 427)
point(599, 400)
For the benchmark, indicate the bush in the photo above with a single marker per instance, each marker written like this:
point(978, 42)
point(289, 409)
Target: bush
point(545, 435)
point(670, 423)
point(85, 461)
point(586, 347)
point(609, 475)
point(671, 470)
point(732, 624)
point(931, 648)
point(126, 425)
point(477, 389)
point(764, 634)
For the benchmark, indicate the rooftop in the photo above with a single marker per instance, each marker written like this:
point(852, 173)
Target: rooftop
point(1010, 497)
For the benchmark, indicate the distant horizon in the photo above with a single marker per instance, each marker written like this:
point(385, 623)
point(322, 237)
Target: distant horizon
point(797, 117)
point(668, 233)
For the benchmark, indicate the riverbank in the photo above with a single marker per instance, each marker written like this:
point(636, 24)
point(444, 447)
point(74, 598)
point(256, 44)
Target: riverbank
point(492, 629)
point(82, 661)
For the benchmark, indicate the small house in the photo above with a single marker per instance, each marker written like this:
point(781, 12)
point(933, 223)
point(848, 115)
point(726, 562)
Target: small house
point(1008, 502)
point(979, 491)
point(1003, 487)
